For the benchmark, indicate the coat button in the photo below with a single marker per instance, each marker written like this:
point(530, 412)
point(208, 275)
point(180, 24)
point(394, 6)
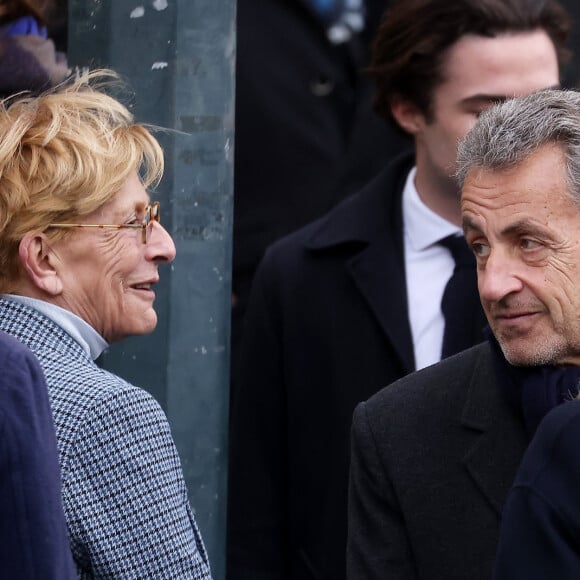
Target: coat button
point(321, 87)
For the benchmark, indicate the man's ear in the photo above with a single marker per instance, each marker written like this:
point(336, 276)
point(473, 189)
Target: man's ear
point(407, 115)
point(38, 262)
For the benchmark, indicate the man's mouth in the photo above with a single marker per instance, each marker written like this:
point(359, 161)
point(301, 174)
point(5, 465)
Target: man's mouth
point(511, 315)
point(521, 320)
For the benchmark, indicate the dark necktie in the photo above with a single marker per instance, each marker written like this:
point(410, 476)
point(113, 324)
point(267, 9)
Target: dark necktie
point(461, 307)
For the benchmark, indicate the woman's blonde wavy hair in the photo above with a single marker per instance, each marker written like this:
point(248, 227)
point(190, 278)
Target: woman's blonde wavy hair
point(64, 155)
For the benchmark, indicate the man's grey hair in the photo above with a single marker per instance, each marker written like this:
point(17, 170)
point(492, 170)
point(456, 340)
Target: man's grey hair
point(508, 133)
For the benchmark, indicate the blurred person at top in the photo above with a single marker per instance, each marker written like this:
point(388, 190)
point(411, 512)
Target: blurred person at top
point(28, 58)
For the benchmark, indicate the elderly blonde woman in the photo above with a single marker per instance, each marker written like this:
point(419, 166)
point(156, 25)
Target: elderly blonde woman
point(80, 248)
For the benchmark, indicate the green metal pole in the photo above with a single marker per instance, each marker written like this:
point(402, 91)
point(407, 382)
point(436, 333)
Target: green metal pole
point(179, 58)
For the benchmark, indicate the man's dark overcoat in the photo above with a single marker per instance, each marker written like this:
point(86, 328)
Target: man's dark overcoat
point(433, 458)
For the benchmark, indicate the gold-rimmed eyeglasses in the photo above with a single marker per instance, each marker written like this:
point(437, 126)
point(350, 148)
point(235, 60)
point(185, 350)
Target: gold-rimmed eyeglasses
point(152, 214)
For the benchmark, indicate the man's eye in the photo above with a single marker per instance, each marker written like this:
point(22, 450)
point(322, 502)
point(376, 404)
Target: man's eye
point(528, 244)
point(480, 249)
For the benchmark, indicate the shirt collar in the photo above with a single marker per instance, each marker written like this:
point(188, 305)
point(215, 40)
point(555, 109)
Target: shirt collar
point(89, 339)
point(423, 227)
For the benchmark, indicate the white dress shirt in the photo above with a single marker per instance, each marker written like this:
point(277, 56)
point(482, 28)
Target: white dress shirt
point(428, 267)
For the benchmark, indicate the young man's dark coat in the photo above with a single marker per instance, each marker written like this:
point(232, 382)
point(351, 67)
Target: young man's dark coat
point(327, 327)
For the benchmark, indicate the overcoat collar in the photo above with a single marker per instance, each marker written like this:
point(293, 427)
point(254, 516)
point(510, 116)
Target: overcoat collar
point(368, 228)
point(374, 210)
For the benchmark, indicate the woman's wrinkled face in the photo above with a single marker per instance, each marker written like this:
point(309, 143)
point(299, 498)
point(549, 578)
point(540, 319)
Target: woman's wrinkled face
point(108, 275)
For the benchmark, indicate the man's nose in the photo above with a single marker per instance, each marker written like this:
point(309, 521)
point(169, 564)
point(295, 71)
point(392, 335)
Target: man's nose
point(499, 276)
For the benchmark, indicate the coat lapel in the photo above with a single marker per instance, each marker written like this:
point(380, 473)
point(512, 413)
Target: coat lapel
point(367, 228)
point(379, 275)
point(493, 459)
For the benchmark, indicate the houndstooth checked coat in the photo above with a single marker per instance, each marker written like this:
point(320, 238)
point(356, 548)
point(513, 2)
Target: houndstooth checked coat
point(123, 490)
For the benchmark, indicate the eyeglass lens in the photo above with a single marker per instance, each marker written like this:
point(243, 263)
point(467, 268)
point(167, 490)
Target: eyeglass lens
point(151, 215)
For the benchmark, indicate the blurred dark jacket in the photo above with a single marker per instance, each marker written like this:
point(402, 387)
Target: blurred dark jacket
point(306, 135)
point(34, 543)
point(540, 531)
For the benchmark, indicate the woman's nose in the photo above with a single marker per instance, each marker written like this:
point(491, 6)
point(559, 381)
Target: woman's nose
point(161, 244)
